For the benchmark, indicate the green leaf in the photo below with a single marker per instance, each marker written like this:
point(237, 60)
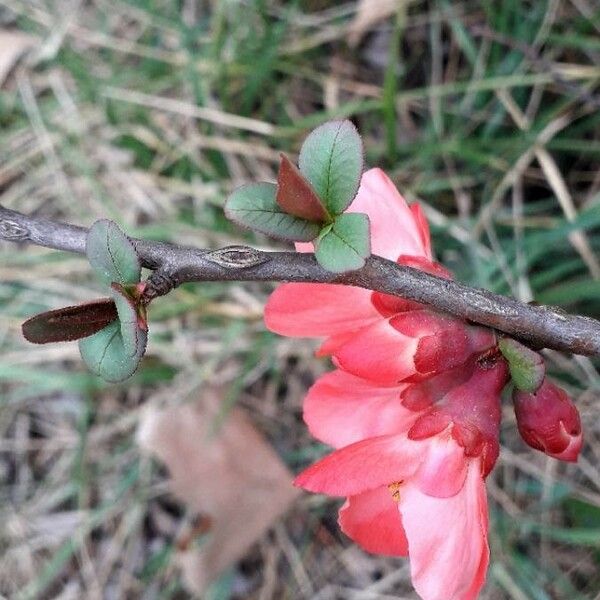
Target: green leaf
point(115, 352)
point(331, 159)
point(527, 368)
point(111, 253)
point(345, 245)
point(254, 206)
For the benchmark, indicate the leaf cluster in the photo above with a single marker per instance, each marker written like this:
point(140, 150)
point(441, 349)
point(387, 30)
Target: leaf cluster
point(308, 202)
point(113, 331)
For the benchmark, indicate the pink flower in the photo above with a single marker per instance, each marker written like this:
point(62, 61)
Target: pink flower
point(413, 409)
point(372, 335)
point(548, 421)
point(411, 462)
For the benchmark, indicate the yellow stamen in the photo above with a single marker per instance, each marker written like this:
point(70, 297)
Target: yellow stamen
point(395, 490)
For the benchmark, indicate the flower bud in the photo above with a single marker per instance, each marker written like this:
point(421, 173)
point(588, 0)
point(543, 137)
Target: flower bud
point(548, 421)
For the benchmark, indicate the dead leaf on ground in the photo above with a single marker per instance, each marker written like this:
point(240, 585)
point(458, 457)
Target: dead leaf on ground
point(225, 472)
point(369, 13)
point(13, 45)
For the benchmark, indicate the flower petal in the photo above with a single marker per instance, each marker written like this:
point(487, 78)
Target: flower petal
point(444, 342)
point(473, 409)
point(373, 521)
point(447, 539)
point(394, 228)
point(318, 309)
point(378, 353)
point(388, 305)
point(341, 409)
point(334, 342)
point(442, 473)
point(422, 225)
point(423, 394)
point(363, 466)
point(571, 452)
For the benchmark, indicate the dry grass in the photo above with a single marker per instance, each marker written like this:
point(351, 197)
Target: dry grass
point(149, 113)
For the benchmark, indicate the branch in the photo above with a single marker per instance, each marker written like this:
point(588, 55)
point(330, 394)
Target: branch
point(539, 326)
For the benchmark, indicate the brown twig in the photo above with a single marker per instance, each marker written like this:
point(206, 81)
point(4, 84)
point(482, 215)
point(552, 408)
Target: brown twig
point(540, 326)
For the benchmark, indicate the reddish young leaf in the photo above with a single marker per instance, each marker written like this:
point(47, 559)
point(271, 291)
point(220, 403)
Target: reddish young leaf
point(296, 196)
point(70, 323)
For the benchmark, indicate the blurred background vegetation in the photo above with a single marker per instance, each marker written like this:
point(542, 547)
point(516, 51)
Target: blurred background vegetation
point(149, 112)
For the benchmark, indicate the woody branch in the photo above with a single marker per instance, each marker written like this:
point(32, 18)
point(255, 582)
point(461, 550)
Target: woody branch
point(539, 326)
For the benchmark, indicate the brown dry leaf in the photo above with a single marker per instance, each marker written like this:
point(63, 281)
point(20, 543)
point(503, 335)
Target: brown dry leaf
point(13, 45)
point(369, 13)
point(225, 472)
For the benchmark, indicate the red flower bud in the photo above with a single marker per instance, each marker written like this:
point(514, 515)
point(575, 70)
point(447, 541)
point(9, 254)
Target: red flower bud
point(548, 421)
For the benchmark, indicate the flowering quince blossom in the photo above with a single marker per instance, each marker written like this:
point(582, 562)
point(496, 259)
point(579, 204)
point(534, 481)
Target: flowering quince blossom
point(411, 461)
point(373, 335)
point(413, 409)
